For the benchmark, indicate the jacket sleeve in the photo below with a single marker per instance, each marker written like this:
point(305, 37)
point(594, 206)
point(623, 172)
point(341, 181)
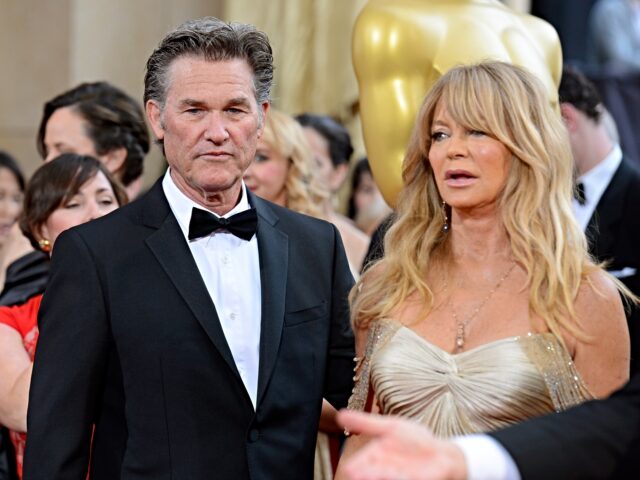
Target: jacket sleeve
point(339, 373)
point(69, 367)
point(596, 440)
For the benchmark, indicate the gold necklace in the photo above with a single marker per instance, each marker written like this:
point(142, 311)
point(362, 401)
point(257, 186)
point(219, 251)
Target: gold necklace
point(460, 326)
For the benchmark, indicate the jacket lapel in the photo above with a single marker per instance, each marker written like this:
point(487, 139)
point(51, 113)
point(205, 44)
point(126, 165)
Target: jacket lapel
point(273, 248)
point(172, 252)
point(604, 223)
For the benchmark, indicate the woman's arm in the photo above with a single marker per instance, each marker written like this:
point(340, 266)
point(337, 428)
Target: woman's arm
point(15, 377)
point(328, 422)
point(603, 362)
point(356, 442)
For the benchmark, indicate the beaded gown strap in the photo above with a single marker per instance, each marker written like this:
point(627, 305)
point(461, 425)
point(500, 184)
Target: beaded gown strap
point(380, 332)
point(556, 366)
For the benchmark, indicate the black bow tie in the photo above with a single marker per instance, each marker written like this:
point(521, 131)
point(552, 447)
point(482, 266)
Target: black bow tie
point(579, 195)
point(242, 225)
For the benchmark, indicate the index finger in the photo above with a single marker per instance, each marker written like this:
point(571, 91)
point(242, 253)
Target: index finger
point(363, 423)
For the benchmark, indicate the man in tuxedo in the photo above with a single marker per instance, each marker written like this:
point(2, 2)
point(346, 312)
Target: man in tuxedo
point(596, 440)
point(607, 192)
point(194, 333)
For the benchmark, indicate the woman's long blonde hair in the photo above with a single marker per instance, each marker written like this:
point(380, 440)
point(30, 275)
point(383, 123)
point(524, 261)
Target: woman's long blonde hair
point(304, 193)
point(510, 104)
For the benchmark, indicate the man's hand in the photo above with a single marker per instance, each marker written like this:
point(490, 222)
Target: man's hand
point(399, 450)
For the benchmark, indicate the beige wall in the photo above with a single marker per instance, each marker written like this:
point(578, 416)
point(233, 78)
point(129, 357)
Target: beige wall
point(34, 53)
point(48, 46)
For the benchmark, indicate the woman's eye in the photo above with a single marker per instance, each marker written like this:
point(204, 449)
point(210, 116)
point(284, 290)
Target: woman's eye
point(107, 201)
point(437, 136)
point(477, 133)
point(260, 157)
point(72, 205)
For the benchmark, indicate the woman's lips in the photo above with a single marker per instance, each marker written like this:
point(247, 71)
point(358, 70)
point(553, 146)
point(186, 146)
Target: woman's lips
point(459, 178)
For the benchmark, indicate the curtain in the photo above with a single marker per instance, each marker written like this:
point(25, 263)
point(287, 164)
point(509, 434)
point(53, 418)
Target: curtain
point(311, 40)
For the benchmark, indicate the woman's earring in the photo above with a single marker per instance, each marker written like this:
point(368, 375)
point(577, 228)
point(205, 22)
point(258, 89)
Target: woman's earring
point(45, 245)
point(445, 227)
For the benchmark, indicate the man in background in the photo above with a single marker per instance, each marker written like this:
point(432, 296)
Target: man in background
point(607, 190)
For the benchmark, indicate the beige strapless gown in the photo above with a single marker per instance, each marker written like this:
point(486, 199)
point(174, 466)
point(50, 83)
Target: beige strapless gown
point(478, 390)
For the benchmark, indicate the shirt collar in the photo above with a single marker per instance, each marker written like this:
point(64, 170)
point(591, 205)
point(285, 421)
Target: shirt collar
point(595, 181)
point(181, 205)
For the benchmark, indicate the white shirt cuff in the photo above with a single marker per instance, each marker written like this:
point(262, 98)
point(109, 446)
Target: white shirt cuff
point(486, 458)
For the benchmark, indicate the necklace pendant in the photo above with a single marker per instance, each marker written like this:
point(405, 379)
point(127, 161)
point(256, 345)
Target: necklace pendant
point(460, 337)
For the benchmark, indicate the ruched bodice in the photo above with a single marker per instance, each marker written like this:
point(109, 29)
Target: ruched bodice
point(478, 390)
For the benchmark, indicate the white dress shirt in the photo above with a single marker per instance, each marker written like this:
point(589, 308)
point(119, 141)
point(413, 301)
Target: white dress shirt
point(595, 182)
point(486, 458)
point(230, 268)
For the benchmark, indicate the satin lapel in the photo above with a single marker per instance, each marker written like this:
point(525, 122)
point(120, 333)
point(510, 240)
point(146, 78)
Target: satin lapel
point(172, 252)
point(603, 225)
point(273, 246)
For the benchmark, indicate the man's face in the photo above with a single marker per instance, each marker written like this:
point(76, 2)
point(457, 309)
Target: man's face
point(210, 125)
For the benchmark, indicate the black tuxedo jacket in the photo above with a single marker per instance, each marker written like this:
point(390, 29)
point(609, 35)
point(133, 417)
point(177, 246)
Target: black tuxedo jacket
point(597, 440)
point(613, 233)
point(130, 341)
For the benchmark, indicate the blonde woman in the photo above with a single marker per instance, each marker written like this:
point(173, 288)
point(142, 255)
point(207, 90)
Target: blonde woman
point(283, 168)
point(486, 309)
point(284, 172)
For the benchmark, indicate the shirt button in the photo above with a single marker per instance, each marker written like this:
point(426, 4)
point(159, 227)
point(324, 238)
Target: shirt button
point(225, 259)
point(254, 434)
point(232, 316)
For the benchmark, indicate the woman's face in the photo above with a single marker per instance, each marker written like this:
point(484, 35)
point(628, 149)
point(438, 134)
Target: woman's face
point(267, 174)
point(10, 202)
point(327, 173)
point(470, 167)
point(95, 199)
point(366, 193)
point(66, 132)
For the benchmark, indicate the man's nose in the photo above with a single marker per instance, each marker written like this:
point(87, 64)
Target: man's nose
point(216, 129)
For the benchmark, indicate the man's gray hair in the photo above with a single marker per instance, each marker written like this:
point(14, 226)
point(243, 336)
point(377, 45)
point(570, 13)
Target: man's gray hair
point(213, 40)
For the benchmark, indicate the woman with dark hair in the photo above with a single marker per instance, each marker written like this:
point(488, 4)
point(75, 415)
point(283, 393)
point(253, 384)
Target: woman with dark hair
point(68, 191)
point(366, 206)
point(331, 148)
point(12, 243)
point(99, 120)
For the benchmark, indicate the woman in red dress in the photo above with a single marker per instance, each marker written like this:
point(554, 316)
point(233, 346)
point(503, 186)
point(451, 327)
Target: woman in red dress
point(70, 190)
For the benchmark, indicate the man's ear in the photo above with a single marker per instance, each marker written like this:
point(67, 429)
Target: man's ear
point(154, 116)
point(264, 106)
point(570, 116)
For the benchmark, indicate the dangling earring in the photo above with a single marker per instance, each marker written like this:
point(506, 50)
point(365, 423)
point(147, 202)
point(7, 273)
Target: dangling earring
point(45, 245)
point(445, 226)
